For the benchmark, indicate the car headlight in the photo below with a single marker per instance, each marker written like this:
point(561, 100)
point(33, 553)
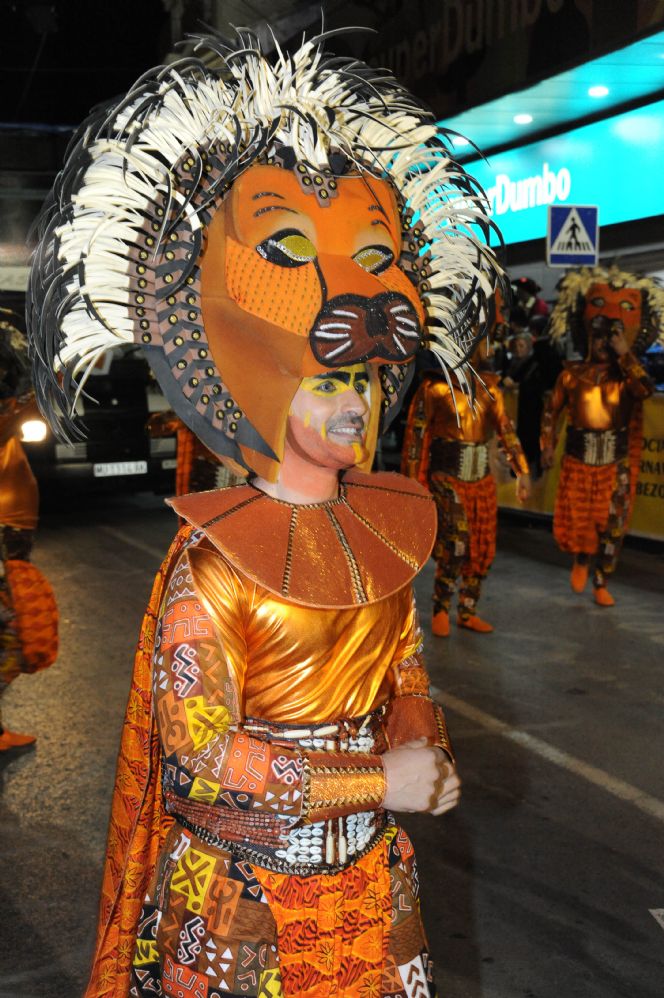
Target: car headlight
point(33, 431)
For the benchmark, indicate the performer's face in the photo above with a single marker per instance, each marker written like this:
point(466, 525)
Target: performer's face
point(610, 310)
point(327, 423)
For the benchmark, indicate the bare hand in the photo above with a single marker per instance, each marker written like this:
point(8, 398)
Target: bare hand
point(618, 343)
point(523, 487)
point(508, 382)
point(420, 778)
point(546, 458)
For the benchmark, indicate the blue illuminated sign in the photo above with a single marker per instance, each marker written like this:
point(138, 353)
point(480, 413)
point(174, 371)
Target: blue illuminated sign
point(615, 164)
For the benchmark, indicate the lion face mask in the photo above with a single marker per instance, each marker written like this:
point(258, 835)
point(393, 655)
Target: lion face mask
point(253, 227)
point(594, 302)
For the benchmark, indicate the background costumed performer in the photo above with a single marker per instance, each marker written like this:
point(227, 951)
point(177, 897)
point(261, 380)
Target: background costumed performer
point(282, 237)
point(446, 447)
point(28, 613)
point(612, 317)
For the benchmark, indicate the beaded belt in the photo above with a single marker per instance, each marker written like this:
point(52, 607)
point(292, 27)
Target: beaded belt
point(269, 840)
point(467, 462)
point(282, 864)
point(596, 447)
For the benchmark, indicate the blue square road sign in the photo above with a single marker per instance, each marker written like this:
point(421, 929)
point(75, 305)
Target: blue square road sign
point(572, 238)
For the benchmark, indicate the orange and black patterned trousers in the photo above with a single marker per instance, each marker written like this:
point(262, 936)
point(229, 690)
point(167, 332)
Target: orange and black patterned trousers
point(466, 539)
point(592, 511)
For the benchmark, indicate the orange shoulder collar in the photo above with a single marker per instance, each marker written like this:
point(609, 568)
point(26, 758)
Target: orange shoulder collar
point(359, 548)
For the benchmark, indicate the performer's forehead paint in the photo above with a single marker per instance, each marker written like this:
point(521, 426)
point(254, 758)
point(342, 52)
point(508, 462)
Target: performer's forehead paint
point(337, 382)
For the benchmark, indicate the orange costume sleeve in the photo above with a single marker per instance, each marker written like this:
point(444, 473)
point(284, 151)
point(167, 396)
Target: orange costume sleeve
point(553, 408)
point(507, 434)
point(417, 437)
point(637, 380)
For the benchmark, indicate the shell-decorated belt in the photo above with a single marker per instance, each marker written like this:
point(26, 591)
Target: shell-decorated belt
point(466, 461)
point(271, 841)
point(596, 447)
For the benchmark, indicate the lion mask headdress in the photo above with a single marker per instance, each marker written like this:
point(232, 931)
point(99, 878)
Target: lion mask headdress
point(252, 225)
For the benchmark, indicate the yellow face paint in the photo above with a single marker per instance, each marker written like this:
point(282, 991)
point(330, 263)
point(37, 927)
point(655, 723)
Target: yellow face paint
point(352, 378)
point(307, 418)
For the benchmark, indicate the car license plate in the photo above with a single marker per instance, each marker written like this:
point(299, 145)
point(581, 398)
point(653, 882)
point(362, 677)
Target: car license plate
point(168, 463)
point(110, 468)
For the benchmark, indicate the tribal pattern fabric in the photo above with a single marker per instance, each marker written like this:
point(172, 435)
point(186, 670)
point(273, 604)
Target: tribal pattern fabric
point(592, 509)
point(214, 926)
point(466, 542)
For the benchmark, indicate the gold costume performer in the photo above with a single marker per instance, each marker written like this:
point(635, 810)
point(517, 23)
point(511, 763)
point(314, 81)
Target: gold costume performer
point(28, 614)
point(446, 447)
point(282, 237)
point(612, 316)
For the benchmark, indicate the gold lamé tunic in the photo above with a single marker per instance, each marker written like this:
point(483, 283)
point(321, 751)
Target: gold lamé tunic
point(297, 663)
point(234, 650)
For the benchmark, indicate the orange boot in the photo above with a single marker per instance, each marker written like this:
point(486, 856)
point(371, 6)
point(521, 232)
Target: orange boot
point(440, 625)
point(578, 576)
point(12, 740)
point(603, 597)
point(474, 623)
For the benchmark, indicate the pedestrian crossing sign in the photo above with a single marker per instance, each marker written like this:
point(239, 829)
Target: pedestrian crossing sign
point(572, 238)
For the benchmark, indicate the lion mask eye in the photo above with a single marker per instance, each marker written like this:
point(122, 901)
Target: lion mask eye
point(288, 248)
point(628, 306)
point(375, 259)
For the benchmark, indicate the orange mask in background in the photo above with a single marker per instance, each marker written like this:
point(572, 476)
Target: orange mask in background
point(608, 308)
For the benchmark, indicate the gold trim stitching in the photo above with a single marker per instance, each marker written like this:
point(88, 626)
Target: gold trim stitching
point(382, 488)
point(411, 562)
point(229, 512)
point(285, 584)
point(358, 588)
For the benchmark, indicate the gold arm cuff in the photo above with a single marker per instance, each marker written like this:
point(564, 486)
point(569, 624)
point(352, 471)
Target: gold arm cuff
point(339, 783)
point(411, 717)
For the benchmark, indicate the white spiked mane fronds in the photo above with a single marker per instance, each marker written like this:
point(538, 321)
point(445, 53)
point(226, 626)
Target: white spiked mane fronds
point(122, 164)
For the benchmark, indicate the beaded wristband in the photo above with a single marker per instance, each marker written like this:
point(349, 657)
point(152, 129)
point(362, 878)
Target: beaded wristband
point(339, 783)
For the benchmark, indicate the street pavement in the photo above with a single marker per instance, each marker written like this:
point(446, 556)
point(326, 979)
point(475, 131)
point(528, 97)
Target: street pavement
point(546, 881)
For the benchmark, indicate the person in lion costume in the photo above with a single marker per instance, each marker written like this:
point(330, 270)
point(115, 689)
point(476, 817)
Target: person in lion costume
point(282, 236)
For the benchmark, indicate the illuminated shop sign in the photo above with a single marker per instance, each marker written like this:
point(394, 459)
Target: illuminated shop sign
point(615, 164)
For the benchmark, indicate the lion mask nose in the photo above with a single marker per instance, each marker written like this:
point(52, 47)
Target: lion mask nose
point(351, 329)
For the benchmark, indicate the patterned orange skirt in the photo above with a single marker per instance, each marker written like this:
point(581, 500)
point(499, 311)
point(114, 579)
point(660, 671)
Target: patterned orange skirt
point(214, 926)
point(583, 501)
point(481, 506)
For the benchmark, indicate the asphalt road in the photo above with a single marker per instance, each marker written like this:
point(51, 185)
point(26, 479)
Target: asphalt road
point(542, 883)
